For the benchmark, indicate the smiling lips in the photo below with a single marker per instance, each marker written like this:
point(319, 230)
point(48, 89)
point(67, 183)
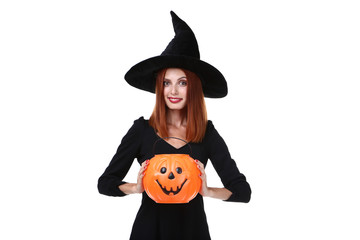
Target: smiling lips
point(174, 100)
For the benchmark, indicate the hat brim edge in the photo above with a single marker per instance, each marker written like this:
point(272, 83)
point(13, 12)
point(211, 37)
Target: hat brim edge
point(142, 75)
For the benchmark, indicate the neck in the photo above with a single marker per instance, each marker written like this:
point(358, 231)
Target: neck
point(175, 118)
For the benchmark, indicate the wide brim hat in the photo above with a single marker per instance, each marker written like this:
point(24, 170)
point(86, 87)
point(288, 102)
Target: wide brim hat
point(181, 52)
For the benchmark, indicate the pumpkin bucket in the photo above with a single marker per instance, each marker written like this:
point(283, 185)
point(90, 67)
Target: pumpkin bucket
point(172, 178)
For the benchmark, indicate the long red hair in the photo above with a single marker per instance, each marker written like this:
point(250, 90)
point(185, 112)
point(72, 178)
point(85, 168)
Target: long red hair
point(194, 111)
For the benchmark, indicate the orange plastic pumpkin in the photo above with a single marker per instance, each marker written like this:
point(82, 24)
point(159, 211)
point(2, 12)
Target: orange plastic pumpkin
point(172, 178)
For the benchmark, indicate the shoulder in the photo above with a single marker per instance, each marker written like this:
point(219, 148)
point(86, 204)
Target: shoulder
point(214, 140)
point(137, 129)
point(212, 135)
point(211, 132)
point(210, 127)
point(141, 124)
point(210, 124)
point(140, 121)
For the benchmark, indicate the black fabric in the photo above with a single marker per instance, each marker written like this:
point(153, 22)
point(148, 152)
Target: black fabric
point(184, 43)
point(172, 221)
point(181, 52)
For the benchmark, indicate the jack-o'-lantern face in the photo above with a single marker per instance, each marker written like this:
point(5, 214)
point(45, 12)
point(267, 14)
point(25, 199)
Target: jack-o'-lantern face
point(172, 178)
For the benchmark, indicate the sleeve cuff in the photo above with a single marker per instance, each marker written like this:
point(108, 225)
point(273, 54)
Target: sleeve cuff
point(120, 193)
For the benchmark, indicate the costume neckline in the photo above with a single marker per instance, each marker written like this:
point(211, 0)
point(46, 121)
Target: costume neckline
point(168, 142)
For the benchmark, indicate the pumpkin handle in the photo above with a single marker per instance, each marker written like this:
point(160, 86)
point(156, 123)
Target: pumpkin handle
point(174, 138)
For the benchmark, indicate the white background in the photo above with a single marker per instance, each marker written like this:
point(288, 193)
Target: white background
point(291, 118)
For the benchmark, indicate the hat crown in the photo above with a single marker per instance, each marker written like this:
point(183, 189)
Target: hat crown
point(184, 43)
point(181, 52)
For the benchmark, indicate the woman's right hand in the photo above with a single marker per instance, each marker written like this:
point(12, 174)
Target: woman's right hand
point(141, 174)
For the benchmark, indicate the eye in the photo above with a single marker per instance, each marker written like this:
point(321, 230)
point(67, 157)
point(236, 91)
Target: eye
point(163, 170)
point(166, 83)
point(179, 170)
point(183, 83)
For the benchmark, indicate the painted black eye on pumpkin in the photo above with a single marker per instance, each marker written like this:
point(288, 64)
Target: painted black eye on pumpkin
point(179, 170)
point(163, 170)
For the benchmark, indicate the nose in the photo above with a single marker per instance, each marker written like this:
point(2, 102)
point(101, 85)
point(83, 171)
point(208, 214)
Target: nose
point(174, 90)
point(171, 176)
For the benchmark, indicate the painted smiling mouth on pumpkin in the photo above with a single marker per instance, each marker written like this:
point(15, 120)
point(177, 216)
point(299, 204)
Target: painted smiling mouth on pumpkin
point(167, 192)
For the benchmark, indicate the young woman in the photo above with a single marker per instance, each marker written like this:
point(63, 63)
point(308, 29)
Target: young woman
point(179, 112)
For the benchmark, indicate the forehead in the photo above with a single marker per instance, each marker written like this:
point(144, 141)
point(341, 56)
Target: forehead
point(174, 73)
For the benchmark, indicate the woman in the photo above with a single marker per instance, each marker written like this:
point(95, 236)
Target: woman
point(180, 80)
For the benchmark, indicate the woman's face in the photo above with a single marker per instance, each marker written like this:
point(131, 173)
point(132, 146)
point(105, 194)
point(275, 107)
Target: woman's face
point(175, 88)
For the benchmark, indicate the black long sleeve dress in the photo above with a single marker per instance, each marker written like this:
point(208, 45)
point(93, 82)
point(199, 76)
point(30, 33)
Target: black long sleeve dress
point(172, 221)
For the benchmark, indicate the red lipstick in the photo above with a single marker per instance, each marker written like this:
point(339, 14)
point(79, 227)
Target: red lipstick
point(174, 100)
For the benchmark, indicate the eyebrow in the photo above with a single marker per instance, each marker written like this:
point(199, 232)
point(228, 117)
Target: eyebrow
point(177, 80)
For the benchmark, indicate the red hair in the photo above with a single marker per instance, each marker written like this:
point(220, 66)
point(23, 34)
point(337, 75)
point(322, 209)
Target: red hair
point(194, 111)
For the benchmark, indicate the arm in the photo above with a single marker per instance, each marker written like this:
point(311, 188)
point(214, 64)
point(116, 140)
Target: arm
point(138, 187)
point(233, 181)
point(129, 188)
point(120, 164)
point(205, 191)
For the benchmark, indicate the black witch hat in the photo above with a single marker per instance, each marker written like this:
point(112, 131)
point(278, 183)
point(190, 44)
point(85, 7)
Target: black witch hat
point(181, 52)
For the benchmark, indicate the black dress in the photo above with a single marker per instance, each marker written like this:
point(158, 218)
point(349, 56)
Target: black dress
point(172, 221)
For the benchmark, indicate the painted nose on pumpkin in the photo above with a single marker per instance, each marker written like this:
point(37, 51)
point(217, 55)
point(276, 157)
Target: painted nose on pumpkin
point(171, 176)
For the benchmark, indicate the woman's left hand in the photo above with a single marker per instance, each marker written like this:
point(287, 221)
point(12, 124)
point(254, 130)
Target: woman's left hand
point(204, 190)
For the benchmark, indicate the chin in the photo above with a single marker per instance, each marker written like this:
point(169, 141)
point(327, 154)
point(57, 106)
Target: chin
point(172, 107)
point(176, 108)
